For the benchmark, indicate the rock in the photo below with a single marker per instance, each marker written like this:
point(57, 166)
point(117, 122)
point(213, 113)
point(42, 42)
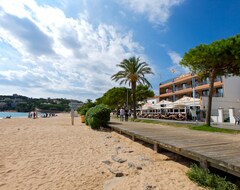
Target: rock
point(144, 158)
point(139, 168)
point(149, 187)
point(116, 172)
point(131, 165)
point(128, 151)
point(106, 162)
point(115, 140)
point(118, 148)
point(119, 174)
point(117, 159)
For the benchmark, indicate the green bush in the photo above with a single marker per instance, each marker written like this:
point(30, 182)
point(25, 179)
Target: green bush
point(98, 116)
point(83, 111)
point(204, 178)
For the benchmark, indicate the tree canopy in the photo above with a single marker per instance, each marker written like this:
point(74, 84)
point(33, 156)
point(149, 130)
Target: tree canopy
point(143, 92)
point(87, 105)
point(219, 58)
point(133, 72)
point(115, 97)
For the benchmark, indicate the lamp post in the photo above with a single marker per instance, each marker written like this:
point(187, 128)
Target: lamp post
point(194, 93)
point(127, 97)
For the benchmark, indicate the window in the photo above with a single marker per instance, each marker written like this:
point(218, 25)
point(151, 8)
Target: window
point(184, 85)
point(219, 92)
point(205, 92)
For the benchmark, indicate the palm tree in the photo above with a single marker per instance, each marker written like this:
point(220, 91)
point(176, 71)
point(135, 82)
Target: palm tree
point(133, 72)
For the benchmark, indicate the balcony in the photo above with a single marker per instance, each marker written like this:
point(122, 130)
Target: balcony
point(218, 79)
point(168, 91)
point(183, 87)
point(214, 95)
point(218, 95)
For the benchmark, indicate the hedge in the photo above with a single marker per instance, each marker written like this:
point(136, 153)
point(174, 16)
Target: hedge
point(98, 116)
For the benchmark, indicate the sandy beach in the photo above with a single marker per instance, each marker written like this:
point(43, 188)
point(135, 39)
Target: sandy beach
point(50, 153)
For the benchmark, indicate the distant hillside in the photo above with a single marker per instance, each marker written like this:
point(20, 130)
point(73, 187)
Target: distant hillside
point(24, 104)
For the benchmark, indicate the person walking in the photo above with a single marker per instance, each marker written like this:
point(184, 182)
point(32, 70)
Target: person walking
point(129, 113)
point(126, 115)
point(122, 113)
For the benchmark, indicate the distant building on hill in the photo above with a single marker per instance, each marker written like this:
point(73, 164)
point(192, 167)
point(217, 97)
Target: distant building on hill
point(75, 104)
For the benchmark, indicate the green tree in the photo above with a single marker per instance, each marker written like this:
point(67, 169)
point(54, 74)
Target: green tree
point(115, 97)
point(143, 92)
point(219, 58)
point(133, 72)
point(87, 105)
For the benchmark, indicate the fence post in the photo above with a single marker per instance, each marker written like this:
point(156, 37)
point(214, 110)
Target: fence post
point(220, 115)
point(231, 115)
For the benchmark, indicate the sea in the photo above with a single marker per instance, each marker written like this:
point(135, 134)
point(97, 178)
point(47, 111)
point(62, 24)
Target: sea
point(14, 114)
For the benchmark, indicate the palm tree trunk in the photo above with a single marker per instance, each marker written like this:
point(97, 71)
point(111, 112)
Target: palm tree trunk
point(209, 108)
point(134, 99)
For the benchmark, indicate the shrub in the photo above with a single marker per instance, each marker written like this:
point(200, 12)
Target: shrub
point(205, 178)
point(98, 116)
point(83, 111)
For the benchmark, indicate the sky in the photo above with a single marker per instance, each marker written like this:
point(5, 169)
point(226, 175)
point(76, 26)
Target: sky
point(70, 49)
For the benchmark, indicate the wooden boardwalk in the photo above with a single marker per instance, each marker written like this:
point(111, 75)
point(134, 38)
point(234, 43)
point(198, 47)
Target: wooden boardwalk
point(218, 150)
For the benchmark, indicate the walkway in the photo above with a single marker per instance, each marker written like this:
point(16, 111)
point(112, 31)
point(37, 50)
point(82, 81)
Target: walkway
point(218, 150)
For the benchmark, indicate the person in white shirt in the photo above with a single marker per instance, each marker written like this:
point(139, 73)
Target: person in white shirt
point(122, 113)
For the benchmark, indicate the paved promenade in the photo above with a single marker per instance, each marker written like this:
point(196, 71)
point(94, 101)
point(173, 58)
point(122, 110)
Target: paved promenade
point(218, 150)
point(218, 125)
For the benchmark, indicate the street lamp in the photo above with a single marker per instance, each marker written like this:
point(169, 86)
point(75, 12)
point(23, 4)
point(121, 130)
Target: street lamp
point(127, 97)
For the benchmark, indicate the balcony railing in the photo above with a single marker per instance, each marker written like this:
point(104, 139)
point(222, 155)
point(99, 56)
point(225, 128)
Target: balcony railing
point(168, 91)
point(183, 87)
point(214, 95)
point(218, 95)
point(207, 82)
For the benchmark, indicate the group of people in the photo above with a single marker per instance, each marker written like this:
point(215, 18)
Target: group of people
point(124, 114)
point(33, 114)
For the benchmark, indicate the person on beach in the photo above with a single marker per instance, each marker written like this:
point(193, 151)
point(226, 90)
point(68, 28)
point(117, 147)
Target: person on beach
point(122, 113)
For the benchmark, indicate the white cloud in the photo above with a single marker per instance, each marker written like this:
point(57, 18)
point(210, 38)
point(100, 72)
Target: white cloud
point(177, 68)
point(157, 11)
point(57, 55)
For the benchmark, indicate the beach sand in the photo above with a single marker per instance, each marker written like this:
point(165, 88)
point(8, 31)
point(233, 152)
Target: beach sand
point(50, 153)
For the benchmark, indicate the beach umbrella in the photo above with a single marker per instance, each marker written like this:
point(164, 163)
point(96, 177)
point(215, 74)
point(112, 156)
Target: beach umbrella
point(148, 106)
point(187, 101)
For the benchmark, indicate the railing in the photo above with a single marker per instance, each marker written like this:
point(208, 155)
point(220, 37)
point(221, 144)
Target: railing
point(218, 95)
point(182, 88)
point(214, 95)
point(168, 91)
point(207, 81)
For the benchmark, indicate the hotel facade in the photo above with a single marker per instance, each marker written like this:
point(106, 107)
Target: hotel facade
point(226, 93)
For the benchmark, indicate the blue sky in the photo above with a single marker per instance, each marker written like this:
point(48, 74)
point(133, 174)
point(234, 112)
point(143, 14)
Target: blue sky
point(69, 48)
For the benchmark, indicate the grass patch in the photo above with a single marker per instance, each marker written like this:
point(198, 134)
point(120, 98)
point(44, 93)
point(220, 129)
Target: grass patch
point(214, 129)
point(161, 122)
point(189, 126)
point(206, 179)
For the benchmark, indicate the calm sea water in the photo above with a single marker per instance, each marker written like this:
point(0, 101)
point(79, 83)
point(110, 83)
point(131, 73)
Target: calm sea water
point(14, 114)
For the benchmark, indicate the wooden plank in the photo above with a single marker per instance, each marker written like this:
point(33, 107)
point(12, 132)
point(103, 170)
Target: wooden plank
point(209, 149)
